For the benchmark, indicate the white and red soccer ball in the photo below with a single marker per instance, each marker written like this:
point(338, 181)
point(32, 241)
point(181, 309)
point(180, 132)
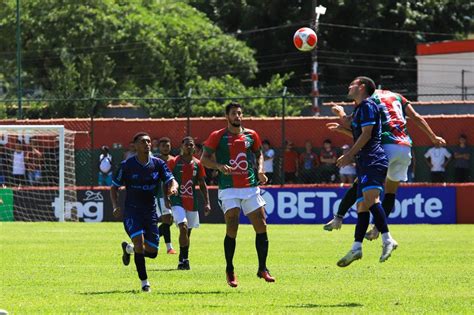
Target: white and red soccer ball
point(305, 39)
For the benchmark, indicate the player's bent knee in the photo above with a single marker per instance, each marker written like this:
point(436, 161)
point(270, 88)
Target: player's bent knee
point(151, 254)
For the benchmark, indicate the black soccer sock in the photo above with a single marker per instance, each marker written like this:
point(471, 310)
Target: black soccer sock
point(164, 231)
point(140, 264)
point(361, 226)
point(183, 253)
point(347, 201)
point(261, 243)
point(388, 203)
point(229, 250)
point(380, 220)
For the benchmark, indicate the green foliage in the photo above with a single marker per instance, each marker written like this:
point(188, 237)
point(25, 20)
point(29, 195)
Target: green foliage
point(62, 268)
point(72, 49)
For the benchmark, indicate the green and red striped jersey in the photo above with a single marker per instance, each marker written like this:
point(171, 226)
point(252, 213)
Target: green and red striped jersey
point(236, 151)
point(187, 175)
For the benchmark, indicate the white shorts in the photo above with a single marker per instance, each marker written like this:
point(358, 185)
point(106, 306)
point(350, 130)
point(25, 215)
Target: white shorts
point(161, 208)
point(191, 218)
point(247, 199)
point(399, 159)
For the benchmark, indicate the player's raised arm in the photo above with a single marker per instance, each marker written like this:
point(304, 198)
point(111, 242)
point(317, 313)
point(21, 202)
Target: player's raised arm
point(423, 125)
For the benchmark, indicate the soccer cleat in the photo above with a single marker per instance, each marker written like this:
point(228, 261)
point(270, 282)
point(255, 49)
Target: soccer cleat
point(171, 251)
point(265, 274)
point(231, 279)
point(387, 249)
point(184, 265)
point(373, 234)
point(146, 288)
point(334, 224)
point(351, 256)
point(125, 255)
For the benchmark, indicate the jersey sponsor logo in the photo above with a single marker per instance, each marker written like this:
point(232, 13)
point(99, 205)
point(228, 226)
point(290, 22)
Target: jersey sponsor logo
point(240, 162)
point(186, 189)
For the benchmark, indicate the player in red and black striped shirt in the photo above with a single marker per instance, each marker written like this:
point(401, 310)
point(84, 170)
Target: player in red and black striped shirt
point(230, 151)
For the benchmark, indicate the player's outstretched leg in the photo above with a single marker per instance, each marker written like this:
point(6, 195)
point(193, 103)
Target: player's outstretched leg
point(127, 249)
point(380, 220)
point(346, 203)
point(356, 251)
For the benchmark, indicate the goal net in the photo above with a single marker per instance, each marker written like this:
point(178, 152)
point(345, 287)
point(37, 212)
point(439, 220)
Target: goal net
point(37, 173)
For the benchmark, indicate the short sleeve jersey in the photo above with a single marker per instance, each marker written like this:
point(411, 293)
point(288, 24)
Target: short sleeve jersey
point(159, 190)
point(141, 182)
point(236, 151)
point(372, 154)
point(187, 175)
point(394, 122)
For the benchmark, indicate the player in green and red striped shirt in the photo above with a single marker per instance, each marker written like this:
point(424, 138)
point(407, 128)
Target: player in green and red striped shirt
point(229, 150)
point(188, 171)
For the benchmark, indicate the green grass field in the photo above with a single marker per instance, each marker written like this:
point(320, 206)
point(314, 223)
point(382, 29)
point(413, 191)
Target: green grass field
point(77, 268)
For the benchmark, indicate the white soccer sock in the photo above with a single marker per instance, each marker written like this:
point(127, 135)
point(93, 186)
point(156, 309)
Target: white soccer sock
point(145, 282)
point(169, 246)
point(386, 237)
point(129, 249)
point(356, 246)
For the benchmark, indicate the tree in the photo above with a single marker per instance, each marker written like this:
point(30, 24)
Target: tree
point(71, 49)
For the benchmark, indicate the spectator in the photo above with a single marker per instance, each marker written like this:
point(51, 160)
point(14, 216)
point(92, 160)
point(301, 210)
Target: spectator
point(106, 167)
point(130, 152)
point(18, 164)
point(309, 162)
point(328, 168)
point(268, 156)
point(34, 163)
point(3, 164)
point(438, 158)
point(461, 161)
point(155, 147)
point(348, 172)
point(290, 165)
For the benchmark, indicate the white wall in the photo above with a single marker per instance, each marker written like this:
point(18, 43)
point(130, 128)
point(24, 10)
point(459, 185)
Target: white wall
point(441, 74)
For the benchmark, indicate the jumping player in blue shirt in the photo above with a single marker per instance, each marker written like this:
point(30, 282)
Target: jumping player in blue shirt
point(372, 164)
point(141, 175)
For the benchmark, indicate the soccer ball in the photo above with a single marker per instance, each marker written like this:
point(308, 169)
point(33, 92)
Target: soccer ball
point(305, 39)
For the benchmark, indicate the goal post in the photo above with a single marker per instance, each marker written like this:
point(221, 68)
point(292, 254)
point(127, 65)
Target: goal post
point(37, 163)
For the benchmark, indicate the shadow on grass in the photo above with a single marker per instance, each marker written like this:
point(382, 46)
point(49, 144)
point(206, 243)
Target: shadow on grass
point(157, 292)
point(110, 292)
point(310, 305)
point(164, 269)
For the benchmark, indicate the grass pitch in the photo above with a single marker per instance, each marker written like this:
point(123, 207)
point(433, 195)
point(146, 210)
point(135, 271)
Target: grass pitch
point(77, 268)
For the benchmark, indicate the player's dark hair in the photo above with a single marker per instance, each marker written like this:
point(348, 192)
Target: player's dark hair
point(187, 138)
point(369, 84)
point(463, 136)
point(164, 140)
point(138, 135)
point(328, 141)
point(231, 105)
point(266, 142)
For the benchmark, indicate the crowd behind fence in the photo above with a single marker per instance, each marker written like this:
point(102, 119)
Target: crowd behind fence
point(309, 162)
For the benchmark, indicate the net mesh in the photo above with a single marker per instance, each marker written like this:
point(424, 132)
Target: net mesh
point(30, 173)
